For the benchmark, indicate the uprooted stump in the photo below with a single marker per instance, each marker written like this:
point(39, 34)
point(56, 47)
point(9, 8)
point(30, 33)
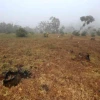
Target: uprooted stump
point(82, 56)
point(13, 78)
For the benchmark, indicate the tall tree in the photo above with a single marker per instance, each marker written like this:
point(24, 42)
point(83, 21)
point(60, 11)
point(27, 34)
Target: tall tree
point(61, 30)
point(55, 23)
point(87, 20)
point(42, 26)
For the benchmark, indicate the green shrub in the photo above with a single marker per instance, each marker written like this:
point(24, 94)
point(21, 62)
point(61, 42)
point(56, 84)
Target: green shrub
point(46, 34)
point(84, 33)
point(98, 33)
point(92, 34)
point(21, 32)
point(76, 33)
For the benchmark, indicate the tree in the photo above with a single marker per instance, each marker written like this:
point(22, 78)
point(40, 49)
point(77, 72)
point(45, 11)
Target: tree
point(87, 20)
point(21, 32)
point(61, 30)
point(55, 23)
point(3, 27)
point(36, 29)
point(51, 26)
point(42, 26)
point(48, 28)
point(16, 27)
point(69, 29)
point(10, 28)
point(28, 29)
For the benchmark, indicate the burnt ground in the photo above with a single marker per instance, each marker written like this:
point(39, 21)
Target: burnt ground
point(58, 72)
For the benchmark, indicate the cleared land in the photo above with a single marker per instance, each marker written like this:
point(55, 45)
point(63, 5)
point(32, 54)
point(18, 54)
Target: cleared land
point(56, 72)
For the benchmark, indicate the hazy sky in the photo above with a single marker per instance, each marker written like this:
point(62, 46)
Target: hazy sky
point(31, 12)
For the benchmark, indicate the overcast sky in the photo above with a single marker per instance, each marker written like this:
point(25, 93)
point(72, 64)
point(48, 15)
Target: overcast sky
point(31, 12)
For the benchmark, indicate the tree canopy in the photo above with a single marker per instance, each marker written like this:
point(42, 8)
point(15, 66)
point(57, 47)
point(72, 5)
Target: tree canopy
point(87, 20)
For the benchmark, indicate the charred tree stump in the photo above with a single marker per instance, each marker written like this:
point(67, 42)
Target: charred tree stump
point(13, 78)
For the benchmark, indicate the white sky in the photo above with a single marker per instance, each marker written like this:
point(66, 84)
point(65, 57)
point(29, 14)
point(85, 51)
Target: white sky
point(31, 12)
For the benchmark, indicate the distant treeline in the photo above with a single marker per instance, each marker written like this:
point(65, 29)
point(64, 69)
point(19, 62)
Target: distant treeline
point(10, 28)
point(53, 25)
point(50, 26)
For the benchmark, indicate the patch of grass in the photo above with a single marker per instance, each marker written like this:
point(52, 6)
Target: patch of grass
point(6, 36)
point(51, 46)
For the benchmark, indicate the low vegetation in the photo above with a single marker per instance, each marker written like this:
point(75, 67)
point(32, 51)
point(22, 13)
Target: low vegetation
point(98, 32)
point(76, 33)
point(46, 34)
point(21, 32)
point(92, 34)
point(84, 33)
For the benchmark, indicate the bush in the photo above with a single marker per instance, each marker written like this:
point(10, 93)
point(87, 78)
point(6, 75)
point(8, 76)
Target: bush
point(46, 34)
point(92, 34)
point(98, 33)
point(76, 33)
point(83, 33)
point(21, 32)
